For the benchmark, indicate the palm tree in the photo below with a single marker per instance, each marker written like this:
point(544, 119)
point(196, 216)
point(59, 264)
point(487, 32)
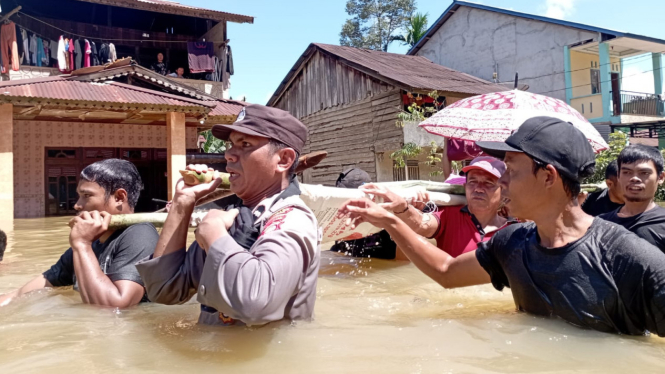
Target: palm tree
point(415, 30)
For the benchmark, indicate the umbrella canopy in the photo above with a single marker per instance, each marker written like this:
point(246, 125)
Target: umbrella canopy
point(494, 116)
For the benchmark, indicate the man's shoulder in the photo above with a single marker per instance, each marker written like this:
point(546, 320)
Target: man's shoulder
point(139, 234)
point(291, 214)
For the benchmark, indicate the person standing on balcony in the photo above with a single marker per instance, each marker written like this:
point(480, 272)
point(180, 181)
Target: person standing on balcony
point(160, 67)
point(640, 175)
point(178, 73)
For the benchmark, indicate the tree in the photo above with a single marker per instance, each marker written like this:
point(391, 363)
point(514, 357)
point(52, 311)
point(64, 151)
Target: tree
point(415, 30)
point(373, 22)
point(212, 144)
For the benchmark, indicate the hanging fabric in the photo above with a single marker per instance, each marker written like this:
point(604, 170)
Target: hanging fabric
point(9, 47)
point(93, 54)
point(26, 47)
point(71, 50)
point(39, 52)
point(200, 56)
point(46, 56)
point(78, 54)
point(61, 55)
point(33, 50)
point(88, 51)
point(103, 54)
point(229, 60)
point(112, 54)
point(54, 52)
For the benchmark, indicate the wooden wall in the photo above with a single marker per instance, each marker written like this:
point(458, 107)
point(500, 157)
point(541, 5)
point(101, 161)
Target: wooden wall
point(351, 133)
point(324, 82)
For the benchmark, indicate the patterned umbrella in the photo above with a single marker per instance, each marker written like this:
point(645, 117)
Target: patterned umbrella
point(494, 116)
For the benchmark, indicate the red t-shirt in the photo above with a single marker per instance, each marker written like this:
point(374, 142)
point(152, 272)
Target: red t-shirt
point(459, 231)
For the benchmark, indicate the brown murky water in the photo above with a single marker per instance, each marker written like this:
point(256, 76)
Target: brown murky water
point(371, 317)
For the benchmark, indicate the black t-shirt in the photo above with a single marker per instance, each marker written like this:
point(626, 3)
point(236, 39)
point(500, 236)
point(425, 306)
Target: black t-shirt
point(649, 225)
point(117, 256)
point(609, 280)
point(599, 202)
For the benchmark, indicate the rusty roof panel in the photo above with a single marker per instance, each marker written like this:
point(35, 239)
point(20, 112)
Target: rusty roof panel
point(171, 7)
point(227, 108)
point(413, 72)
point(62, 89)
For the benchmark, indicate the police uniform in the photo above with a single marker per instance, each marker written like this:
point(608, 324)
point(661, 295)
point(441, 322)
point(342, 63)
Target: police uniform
point(275, 279)
point(254, 275)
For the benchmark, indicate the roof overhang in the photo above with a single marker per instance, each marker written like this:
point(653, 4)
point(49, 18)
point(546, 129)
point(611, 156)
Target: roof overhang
point(169, 7)
point(623, 47)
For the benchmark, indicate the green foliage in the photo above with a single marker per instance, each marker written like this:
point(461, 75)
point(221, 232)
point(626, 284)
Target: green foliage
point(416, 113)
point(212, 144)
point(433, 159)
point(408, 150)
point(618, 141)
point(415, 30)
point(373, 22)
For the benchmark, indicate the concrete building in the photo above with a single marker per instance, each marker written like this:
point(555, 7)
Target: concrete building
point(54, 123)
point(578, 63)
point(350, 99)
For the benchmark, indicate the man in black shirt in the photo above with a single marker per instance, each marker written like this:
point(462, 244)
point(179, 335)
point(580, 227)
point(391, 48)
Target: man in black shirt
point(587, 271)
point(640, 174)
point(101, 263)
point(608, 199)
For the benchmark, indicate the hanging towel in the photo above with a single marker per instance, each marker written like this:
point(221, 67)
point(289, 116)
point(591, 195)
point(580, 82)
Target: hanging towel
point(61, 55)
point(200, 57)
point(9, 45)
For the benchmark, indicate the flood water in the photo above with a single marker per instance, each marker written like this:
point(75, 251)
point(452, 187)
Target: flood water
point(372, 316)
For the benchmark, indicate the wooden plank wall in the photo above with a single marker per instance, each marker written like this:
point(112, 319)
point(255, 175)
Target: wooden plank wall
point(351, 134)
point(324, 82)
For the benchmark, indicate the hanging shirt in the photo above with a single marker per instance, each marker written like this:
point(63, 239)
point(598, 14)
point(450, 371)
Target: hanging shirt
point(33, 50)
point(26, 47)
point(103, 54)
point(61, 55)
point(39, 52)
point(112, 55)
point(54, 49)
point(229, 60)
point(71, 55)
point(46, 57)
point(88, 51)
point(93, 54)
point(78, 54)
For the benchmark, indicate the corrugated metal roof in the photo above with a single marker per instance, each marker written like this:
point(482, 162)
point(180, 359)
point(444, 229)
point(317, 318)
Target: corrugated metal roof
point(60, 88)
point(227, 108)
point(171, 7)
point(413, 73)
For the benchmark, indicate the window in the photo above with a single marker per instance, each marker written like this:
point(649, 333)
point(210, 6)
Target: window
point(595, 81)
point(590, 107)
point(582, 108)
point(413, 169)
point(399, 174)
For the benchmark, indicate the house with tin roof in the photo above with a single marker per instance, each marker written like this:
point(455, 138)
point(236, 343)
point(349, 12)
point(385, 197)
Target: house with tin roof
point(582, 64)
point(350, 99)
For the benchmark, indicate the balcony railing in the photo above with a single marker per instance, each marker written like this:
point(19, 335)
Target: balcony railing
point(638, 104)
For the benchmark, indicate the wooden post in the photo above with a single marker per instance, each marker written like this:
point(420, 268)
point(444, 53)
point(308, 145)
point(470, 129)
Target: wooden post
point(175, 148)
point(6, 161)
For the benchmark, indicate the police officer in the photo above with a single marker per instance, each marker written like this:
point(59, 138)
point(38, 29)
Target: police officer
point(257, 261)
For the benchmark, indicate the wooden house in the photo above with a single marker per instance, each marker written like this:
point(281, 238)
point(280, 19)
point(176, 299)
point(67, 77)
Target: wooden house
point(350, 98)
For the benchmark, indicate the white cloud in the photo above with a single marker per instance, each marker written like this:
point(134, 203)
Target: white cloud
point(559, 8)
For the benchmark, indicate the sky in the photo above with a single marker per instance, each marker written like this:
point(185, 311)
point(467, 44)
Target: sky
point(265, 51)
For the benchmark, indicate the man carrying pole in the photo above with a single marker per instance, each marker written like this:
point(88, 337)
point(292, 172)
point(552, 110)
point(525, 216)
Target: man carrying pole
point(256, 263)
point(587, 271)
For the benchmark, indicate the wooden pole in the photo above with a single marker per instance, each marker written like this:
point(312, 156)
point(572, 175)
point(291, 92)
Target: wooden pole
point(11, 13)
point(175, 149)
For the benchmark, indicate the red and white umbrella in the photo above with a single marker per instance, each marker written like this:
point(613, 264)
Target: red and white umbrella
point(494, 116)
